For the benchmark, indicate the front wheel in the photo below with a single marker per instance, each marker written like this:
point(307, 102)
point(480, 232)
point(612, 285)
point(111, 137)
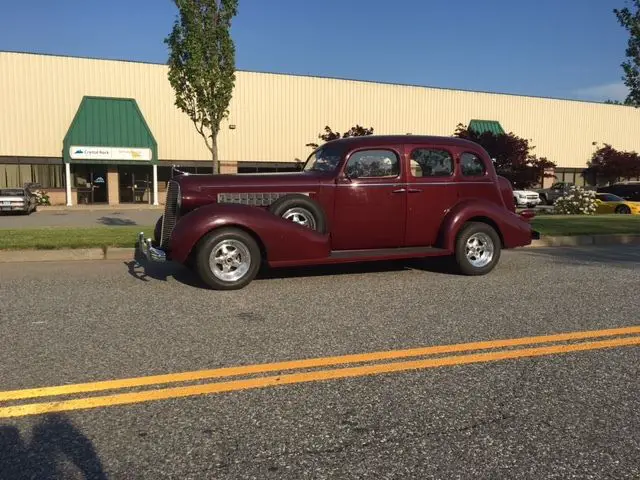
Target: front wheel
point(478, 249)
point(227, 259)
point(623, 209)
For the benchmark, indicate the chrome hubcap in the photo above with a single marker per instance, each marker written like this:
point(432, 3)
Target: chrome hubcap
point(479, 249)
point(230, 260)
point(300, 216)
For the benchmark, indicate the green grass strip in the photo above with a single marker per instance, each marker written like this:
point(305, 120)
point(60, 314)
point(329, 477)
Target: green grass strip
point(53, 238)
point(566, 225)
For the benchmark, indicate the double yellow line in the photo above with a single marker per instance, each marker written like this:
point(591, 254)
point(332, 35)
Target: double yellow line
point(303, 371)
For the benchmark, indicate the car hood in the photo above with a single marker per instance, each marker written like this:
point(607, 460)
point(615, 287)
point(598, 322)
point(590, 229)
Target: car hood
point(261, 181)
point(525, 192)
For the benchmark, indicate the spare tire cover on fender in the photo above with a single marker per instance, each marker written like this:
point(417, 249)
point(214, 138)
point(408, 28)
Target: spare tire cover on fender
point(300, 209)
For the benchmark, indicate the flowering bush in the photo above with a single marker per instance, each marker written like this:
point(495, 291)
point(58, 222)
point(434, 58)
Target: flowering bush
point(577, 201)
point(41, 197)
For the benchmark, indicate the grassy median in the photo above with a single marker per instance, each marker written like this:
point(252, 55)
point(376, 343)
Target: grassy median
point(50, 238)
point(562, 225)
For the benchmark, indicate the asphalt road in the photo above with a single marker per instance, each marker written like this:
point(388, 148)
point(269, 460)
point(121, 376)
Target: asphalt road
point(82, 218)
point(569, 415)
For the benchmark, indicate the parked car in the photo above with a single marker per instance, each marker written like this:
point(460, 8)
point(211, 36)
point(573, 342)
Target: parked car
point(21, 200)
point(610, 203)
point(627, 191)
point(526, 198)
point(356, 199)
point(548, 196)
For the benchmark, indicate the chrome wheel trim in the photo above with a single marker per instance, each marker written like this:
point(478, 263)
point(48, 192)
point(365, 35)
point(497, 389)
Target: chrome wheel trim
point(301, 216)
point(230, 260)
point(479, 249)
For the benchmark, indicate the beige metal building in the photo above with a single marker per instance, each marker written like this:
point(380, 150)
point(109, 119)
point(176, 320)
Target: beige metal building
point(106, 131)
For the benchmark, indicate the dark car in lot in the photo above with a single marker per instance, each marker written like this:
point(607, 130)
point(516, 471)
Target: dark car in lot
point(629, 191)
point(356, 199)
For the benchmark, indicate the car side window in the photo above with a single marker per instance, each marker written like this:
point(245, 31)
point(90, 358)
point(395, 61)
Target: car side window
point(373, 164)
point(426, 162)
point(471, 165)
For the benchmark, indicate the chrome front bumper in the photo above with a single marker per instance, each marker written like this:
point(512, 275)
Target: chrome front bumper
point(150, 252)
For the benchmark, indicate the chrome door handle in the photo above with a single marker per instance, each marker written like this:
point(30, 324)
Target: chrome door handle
point(414, 190)
point(400, 190)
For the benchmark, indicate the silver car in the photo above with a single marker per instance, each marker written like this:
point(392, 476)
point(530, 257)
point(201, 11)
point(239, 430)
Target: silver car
point(18, 200)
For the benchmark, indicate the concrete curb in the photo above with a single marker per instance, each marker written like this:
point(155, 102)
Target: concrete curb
point(67, 254)
point(586, 240)
point(113, 253)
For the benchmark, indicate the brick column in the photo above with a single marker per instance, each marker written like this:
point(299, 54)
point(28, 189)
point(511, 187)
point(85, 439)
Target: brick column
point(113, 185)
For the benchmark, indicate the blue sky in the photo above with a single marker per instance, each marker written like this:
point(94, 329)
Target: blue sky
point(555, 48)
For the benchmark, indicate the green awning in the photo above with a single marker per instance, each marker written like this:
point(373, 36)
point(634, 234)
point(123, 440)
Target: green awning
point(109, 130)
point(482, 126)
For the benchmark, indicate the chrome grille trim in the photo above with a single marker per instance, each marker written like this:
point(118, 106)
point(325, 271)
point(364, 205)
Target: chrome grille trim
point(170, 216)
point(255, 199)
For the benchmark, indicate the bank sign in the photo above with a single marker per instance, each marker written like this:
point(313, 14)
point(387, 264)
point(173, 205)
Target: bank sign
point(77, 152)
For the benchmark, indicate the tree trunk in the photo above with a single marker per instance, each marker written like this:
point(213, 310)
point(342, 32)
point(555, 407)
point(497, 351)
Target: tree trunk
point(214, 155)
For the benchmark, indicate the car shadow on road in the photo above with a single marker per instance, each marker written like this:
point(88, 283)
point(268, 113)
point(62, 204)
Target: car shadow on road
point(141, 269)
point(54, 440)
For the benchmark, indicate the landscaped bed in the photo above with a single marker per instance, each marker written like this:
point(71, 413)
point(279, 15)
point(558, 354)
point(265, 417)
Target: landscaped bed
point(125, 236)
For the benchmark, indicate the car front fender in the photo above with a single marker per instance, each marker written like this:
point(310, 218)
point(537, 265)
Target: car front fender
point(281, 240)
point(514, 230)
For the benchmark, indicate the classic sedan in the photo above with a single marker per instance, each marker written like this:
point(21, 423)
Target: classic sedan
point(610, 203)
point(17, 200)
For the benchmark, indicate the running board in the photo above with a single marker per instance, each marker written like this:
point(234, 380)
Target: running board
point(403, 252)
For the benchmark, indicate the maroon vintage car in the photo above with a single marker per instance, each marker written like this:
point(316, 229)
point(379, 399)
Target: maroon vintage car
point(356, 199)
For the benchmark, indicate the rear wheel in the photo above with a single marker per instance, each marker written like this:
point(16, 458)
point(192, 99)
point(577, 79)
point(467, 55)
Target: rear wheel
point(227, 259)
point(623, 209)
point(478, 249)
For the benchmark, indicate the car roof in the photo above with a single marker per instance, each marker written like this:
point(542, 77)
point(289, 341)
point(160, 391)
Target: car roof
point(403, 139)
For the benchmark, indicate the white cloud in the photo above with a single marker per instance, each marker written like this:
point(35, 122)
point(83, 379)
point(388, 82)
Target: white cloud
point(609, 91)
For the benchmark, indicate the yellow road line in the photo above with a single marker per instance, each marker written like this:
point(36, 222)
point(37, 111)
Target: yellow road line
point(314, 376)
point(306, 363)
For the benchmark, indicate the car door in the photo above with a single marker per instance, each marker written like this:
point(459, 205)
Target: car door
point(370, 201)
point(431, 191)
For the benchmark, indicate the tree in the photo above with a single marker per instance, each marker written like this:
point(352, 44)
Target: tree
point(512, 156)
point(329, 134)
point(610, 164)
point(630, 20)
point(202, 64)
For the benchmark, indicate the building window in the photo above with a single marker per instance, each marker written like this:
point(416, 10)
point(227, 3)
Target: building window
point(431, 163)
point(471, 165)
point(16, 175)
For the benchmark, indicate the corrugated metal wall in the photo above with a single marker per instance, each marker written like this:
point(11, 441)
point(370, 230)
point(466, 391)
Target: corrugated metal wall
point(276, 115)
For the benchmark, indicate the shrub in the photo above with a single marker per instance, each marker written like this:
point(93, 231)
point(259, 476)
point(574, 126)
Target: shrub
point(577, 201)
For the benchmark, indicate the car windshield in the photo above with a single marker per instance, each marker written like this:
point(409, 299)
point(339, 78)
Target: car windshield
point(610, 197)
point(324, 159)
point(11, 192)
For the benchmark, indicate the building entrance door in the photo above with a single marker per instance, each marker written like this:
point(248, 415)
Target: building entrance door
point(91, 183)
point(135, 184)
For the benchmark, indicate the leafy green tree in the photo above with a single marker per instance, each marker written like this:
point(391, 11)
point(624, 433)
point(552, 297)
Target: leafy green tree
point(202, 64)
point(329, 134)
point(513, 156)
point(630, 20)
point(610, 164)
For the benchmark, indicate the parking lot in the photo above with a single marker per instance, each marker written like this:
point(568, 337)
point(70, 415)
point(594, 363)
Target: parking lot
point(559, 414)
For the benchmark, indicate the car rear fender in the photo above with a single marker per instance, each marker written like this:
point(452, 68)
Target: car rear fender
point(514, 230)
point(279, 239)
